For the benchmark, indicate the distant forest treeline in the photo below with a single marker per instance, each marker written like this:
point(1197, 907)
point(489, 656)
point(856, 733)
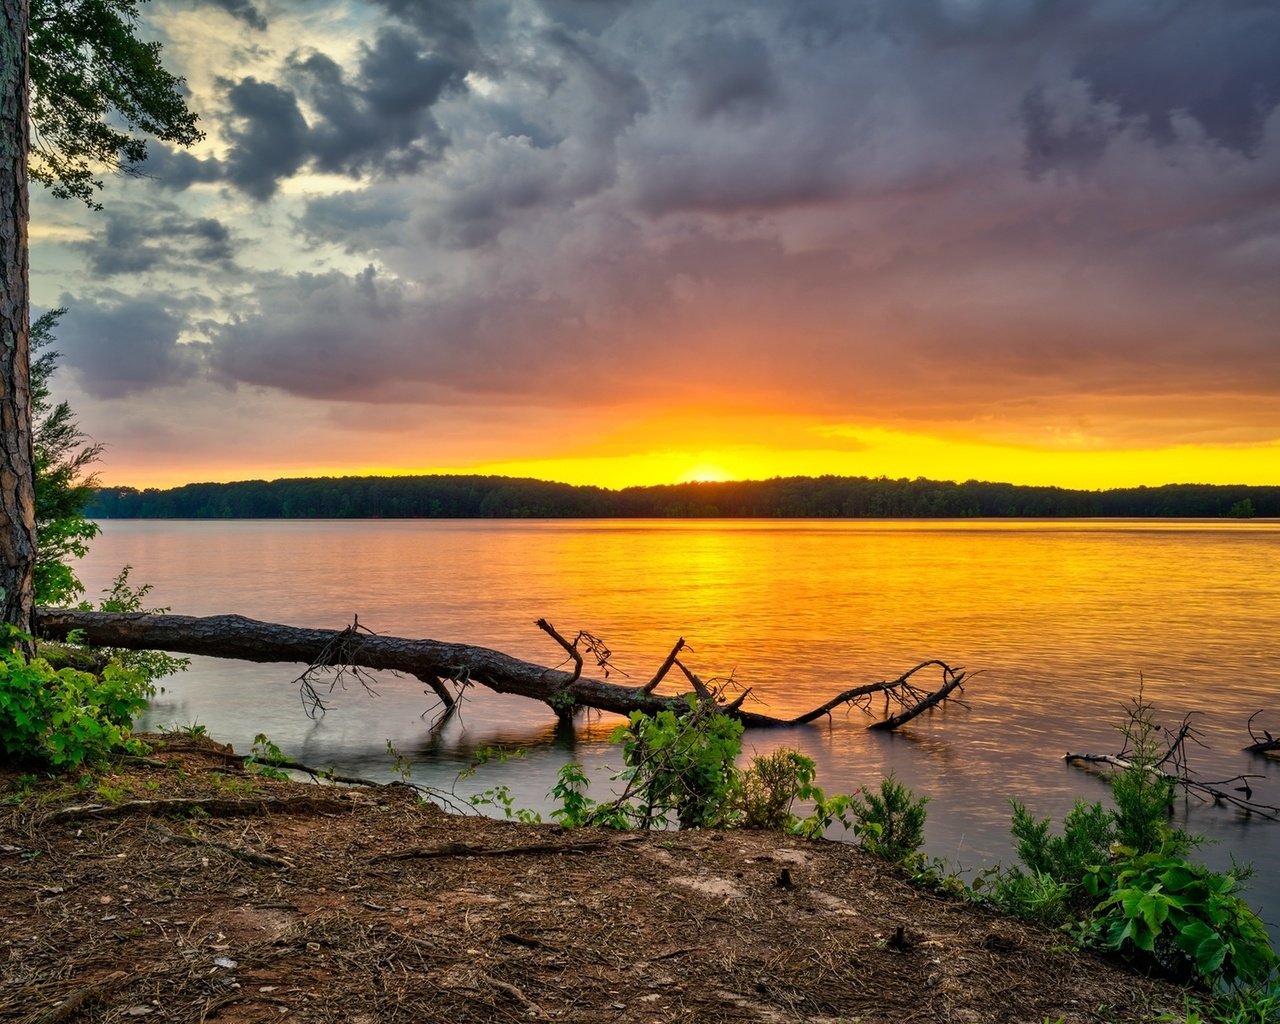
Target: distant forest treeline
point(496, 497)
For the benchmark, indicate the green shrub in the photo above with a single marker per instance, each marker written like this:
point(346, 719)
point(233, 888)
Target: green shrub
point(769, 788)
point(576, 808)
point(1051, 890)
point(680, 764)
point(890, 823)
point(1142, 792)
point(65, 718)
point(1180, 918)
point(1087, 834)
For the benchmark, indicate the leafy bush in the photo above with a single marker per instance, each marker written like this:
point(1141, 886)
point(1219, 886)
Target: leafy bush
point(1052, 889)
point(680, 769)
point(1180, 918)
point(680, 764)
point(890, 823)
point(769, 788)
point(1087, 834)
point(64, 718)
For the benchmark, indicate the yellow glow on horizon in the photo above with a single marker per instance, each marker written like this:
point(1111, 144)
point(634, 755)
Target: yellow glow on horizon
point(705, 474)
point(880, 452)
point(758, 448)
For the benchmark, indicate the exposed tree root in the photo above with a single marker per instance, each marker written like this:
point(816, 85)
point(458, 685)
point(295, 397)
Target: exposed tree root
point(220, 807)
point(526, 850)
point(449, 668)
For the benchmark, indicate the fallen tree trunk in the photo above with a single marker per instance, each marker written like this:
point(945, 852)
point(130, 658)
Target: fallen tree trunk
point(449, 668)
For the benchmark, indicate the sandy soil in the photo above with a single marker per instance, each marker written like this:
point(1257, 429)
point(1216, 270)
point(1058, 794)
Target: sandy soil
point(245, 899)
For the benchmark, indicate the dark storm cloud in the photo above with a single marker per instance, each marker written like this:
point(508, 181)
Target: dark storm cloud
point(269, 137)
point(380, 119)
point(313, 336)
point(362, 220)
point(244, 10)
point(1062, 139)
point(1217, 62)
point(446, 26)
point(804, 202)
point(376, 117)
point(141, 239)
point(728, 74)
point(177, 169)
point(121, 346)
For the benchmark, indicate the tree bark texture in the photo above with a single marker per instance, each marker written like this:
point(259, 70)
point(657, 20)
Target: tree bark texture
point(17, 487)
point(441, 665)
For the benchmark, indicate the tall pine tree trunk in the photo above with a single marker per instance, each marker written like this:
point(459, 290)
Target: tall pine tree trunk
point(17, 490)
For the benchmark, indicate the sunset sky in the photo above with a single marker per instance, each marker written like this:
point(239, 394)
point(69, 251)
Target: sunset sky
point(640, 241)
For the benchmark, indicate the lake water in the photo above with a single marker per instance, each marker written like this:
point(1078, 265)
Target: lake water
point(1062, 620)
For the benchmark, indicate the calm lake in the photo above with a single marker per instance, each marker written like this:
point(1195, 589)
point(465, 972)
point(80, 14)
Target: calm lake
point(1062, 619)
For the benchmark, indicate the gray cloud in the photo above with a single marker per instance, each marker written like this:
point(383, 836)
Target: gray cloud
point(268, 135)
point(1216, 62)
point(177, 169)
point(379, 120)
point(729, 75)
point(141, 239)
point(363, 220)
point(374, 118)
point(121, 346)
point(320, 335)
point(244, 10)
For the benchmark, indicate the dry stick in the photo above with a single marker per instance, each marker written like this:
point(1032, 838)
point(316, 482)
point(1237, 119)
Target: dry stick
point(664, 668)
point(265, 860)
point(505, 987)
point(75, 1002)
point(953, 682)
point(853, 695)
point(441, 691)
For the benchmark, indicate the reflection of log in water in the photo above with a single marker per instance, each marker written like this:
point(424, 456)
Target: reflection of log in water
point(448, 669)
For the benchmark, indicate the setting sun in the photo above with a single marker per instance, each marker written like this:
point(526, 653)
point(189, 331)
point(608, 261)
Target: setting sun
point(705, 474)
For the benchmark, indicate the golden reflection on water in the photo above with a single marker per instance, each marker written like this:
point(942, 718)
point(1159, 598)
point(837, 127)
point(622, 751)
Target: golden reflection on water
point(1061, 620)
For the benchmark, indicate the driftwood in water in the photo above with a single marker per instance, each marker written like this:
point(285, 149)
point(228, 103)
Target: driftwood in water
point(448, 668)
point(1264, 744)
point(1240, 797)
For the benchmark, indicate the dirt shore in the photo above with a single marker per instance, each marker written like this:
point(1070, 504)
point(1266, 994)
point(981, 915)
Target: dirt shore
point(183, 888)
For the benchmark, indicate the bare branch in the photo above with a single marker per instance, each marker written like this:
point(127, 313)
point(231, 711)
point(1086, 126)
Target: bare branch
point(664, 668)
point(570, 648)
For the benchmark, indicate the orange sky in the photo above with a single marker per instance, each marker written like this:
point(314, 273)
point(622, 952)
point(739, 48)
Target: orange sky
point(678, 450)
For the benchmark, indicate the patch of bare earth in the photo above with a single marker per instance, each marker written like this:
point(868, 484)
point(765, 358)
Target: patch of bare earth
point(275, 901)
